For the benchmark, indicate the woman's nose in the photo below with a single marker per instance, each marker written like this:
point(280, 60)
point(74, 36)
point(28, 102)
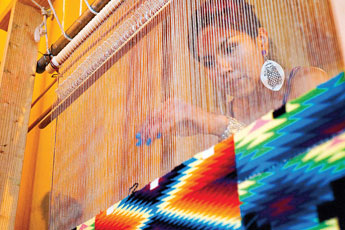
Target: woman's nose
point(220, 68)
point(224, 65)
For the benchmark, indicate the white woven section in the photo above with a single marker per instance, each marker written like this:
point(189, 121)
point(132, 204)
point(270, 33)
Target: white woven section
point(118, 39)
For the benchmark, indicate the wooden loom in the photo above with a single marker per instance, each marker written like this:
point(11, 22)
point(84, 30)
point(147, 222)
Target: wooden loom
point(104, 178)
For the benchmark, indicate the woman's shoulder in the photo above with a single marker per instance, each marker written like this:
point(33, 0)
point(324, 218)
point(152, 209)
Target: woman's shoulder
point(312, 74)
point(304, 79)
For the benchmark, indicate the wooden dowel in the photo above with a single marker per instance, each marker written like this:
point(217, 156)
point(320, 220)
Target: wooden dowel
point(40, 118)
point(100, 38)
point(43, 93)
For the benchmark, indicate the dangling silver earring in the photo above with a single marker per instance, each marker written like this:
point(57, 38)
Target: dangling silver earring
point(272, 74)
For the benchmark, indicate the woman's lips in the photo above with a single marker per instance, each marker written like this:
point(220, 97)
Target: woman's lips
point(229, 79)
point(233, 80)
point(242, 77)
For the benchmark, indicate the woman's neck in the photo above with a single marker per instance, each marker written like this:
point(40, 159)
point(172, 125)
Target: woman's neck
point(253, 106)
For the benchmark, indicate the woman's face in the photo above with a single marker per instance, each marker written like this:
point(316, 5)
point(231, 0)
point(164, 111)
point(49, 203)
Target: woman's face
point(232, 58)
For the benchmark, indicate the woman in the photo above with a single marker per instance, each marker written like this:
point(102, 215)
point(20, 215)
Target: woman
point(231, 43)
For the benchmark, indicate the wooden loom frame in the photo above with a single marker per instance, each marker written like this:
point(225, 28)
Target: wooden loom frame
point(16, 88)
point(337, 6)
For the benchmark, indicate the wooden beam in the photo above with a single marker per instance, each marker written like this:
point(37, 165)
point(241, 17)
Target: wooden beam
point(16, 86)
point(338, 7)
point(43, 3)
point(4, 20)
point(5, 14)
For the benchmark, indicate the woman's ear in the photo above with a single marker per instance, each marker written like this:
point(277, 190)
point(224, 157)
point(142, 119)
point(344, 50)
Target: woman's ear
point(262, 40)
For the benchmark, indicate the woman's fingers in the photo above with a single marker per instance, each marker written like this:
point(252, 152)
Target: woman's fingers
point(150, 130)
point(163, 121)
point(149, 135)
point(162, 125)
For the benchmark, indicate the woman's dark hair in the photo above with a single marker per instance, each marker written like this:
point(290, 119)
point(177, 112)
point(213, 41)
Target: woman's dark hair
point(229, 14)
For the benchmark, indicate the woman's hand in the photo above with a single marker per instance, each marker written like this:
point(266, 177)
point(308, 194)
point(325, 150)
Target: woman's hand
point(181, 118)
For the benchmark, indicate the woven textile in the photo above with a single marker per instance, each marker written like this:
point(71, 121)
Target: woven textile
point(287, 178)
point(309, 120)
point(284, 171)
point(294, 194)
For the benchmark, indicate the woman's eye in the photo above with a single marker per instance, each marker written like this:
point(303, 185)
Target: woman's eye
point(208, 62)
point(228, 48)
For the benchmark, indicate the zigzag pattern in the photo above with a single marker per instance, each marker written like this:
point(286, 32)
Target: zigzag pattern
point(89, 225)
point(310, 119)
point(184, 198)
point(287, 196)
point(283, 166)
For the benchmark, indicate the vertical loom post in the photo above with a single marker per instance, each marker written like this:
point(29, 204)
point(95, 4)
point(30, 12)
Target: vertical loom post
point(16, 87)
point(338, 7)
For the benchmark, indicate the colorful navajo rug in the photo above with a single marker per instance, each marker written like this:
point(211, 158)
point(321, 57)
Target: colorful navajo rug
point(284, 171)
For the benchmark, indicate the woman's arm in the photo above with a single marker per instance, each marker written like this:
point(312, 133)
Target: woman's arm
point(182, 119)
